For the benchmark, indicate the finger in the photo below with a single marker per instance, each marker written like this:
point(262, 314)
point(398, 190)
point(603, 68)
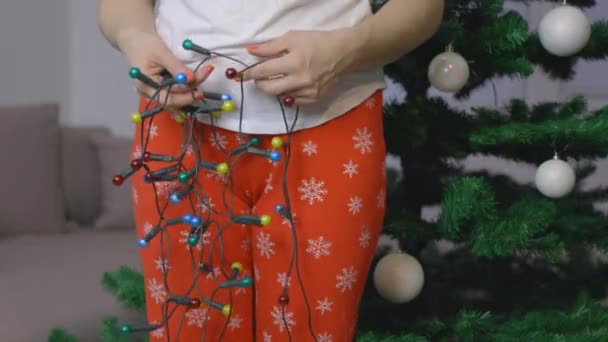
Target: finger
point(269, 68)
point(167, 98)
point(166, 59)
point(270, 48)
point(304, 100)
point(202, 74)
point(280, 86)
point(304, 92)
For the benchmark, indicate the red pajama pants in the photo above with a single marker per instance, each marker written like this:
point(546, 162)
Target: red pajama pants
point(307, 278)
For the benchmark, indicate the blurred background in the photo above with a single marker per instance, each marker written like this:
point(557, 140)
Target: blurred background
point(54, 61)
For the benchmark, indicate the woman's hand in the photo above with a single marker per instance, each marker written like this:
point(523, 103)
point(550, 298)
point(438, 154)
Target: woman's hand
point(302, 64)
point(147, 52)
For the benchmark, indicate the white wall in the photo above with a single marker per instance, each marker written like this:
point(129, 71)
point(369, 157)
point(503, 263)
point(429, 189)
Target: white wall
point(101, 92)
point(33, 51)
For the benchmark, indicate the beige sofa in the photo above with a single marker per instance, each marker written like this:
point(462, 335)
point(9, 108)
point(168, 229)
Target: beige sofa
point(62, 224)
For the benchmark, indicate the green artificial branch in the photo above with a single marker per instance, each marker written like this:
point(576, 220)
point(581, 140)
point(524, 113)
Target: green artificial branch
point(128, 286)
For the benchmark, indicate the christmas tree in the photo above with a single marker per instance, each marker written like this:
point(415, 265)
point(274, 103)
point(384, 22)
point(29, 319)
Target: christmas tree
point(524, 260)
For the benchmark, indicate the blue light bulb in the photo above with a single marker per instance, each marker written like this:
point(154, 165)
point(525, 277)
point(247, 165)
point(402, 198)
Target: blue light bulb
point(181, 78)
point(187, 218)
point(175, 199)
point(142, 243)
point(226, 97)
point(195, 221)
point(275, 156)
point(279, 208)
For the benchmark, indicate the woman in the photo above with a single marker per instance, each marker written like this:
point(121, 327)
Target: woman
point(310, 227)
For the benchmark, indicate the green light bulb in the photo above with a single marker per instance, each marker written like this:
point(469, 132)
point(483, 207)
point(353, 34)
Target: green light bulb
point(183, 177)
point(192, 240)
point(134, 72)
point(125, 329)
point(246, 282)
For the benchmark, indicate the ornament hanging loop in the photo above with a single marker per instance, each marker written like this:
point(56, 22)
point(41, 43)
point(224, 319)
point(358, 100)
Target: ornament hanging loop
point(450, 47)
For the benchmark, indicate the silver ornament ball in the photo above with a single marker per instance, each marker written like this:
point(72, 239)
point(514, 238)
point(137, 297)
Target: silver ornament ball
point(564, 31)
point(555, 178)
point(448, 72)
point(398, 277)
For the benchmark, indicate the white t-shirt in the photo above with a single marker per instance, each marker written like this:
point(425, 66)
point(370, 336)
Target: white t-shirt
point(229, 26)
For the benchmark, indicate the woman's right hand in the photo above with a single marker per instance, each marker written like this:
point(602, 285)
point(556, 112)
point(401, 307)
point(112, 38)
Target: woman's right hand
point(147, 52)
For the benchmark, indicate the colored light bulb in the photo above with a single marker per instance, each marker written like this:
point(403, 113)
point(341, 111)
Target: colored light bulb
point(237, 265)
point(136, 164)
point(195, 221)
point(275, 156)
point(288, 100)
point(118, 180)
point(136, 118)
point(222, 168)
point(181, 78)
point(246, 282)
point(187, 218)
point(228, 106)
point(142, 243)
point(125, 328)
point(255, 141)
point(265, 220)
point(192, 240)
point(226, 310)
point(134, 72)
point(174, 198)
point(279, 208)
point(231, 73)
point(283, 300)
point(180, 118)
point(187, 44)
point(226, 97)
point(276, 142)
point(195, 303)
point(183, 177)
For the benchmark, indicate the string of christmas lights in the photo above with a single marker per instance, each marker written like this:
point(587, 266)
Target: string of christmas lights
point(212, 104)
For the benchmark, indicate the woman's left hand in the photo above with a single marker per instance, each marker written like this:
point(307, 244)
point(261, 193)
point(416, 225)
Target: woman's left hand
point(302, 64)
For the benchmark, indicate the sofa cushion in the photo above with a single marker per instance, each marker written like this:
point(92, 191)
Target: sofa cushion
point(116, 201)
point(54, 280)
point(81, 173)
point(30, 176)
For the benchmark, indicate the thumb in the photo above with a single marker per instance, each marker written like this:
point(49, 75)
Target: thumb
point(271, 48)
point(172, 64)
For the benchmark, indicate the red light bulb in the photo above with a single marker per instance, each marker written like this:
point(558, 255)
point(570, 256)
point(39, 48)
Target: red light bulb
point(231, 73)
point(136, 164)
point(147, 156)
point(288, 100)
point(195, 303)
point(118, 180)
point(283, 300)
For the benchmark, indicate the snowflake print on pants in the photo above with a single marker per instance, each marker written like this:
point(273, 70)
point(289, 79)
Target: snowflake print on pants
point(312, 190)
point(336, 189)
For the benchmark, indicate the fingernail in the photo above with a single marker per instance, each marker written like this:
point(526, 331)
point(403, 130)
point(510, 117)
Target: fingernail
point(210, 68)
point(189, 75)
point(252, 47)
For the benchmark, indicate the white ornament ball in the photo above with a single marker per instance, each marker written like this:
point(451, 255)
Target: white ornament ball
point(564, 31)
point(398, 277)
point(555, 178)
point(448, 72)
